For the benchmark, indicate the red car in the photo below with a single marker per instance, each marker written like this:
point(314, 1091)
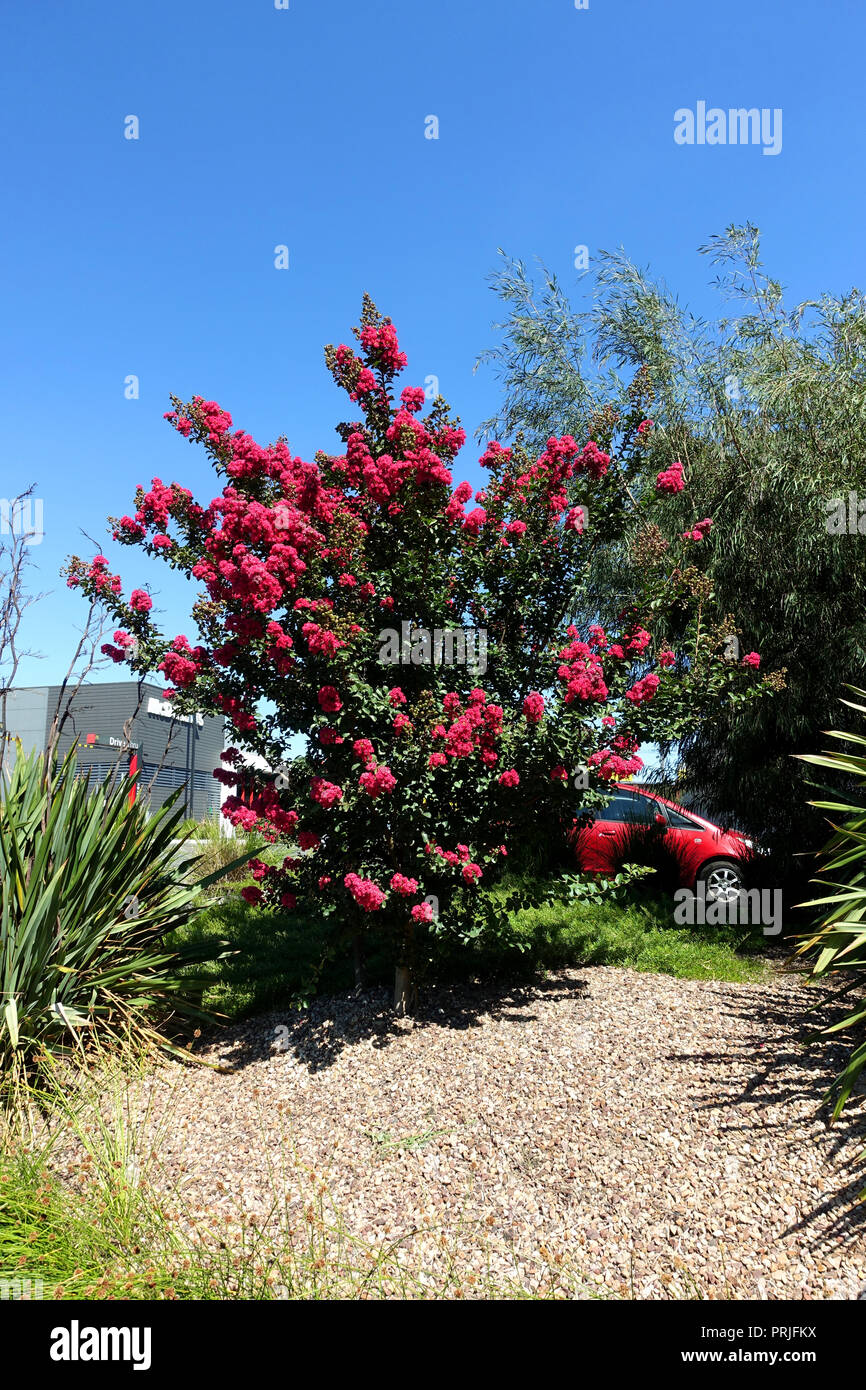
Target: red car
point(703, 851)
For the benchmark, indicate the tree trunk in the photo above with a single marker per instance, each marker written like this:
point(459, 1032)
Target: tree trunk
point(404, 989)
point(358, 955)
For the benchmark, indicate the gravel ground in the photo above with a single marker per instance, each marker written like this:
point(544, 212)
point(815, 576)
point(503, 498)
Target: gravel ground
point(658, 1136)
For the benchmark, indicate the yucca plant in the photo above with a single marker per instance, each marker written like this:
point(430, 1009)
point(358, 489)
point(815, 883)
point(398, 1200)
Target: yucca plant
point(90, 891)
point(838, 943)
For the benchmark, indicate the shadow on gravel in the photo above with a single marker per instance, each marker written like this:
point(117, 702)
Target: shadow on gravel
point(791, 1064)
point(317, 1036)
point(785, 1063)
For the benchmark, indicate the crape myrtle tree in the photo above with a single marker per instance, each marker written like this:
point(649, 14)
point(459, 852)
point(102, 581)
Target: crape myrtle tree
point(419, 636)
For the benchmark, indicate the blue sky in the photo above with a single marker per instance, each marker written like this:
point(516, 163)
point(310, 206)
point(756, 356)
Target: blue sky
point(306, 127)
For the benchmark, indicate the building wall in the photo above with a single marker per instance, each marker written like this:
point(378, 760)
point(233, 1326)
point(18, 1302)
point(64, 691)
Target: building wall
point(188, 749)
point(26, 716)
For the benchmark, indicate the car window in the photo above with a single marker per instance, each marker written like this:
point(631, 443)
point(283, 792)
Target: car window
point(630, 808)
point(678, 819)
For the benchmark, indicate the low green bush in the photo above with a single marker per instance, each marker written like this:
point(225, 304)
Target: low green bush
point(277, 957)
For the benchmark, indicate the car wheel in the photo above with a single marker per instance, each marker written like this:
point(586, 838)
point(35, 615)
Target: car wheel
point(723, 880)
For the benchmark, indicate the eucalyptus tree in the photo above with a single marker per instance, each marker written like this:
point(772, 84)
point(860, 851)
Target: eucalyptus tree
point(765, 406)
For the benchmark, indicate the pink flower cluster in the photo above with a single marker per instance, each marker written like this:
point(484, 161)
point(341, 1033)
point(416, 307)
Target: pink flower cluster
point(264, 812)
point(621, 759)
point(183, 664)
point(321, 641)
point(125, 642)
point(366, 893)
point(215, 421)
point(98, 576)
point(461, 858)
point(638, 642)
point(700, 531)
point(533, 708)
point(243, 719)
point(582, 672)
point(562, 460)
point(403, 885)
point(474, 521)
point(475, 729)
point(643, 690)
point(377, 780)
point(381, 345)
point(413, 398)
point(325, 793)
point(671, 479)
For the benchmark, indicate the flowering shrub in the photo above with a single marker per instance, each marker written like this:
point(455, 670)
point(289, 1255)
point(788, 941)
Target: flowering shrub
point(413, 781)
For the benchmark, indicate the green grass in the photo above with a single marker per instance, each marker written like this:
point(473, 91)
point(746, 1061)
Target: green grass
point(641, 937)
point(274, 956)
point(60, 1240)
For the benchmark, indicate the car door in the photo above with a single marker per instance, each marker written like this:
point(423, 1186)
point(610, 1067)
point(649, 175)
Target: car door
point(602, 845)
point(693, 843)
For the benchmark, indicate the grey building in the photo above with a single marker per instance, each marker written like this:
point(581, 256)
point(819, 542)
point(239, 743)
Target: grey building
point(168, 751)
